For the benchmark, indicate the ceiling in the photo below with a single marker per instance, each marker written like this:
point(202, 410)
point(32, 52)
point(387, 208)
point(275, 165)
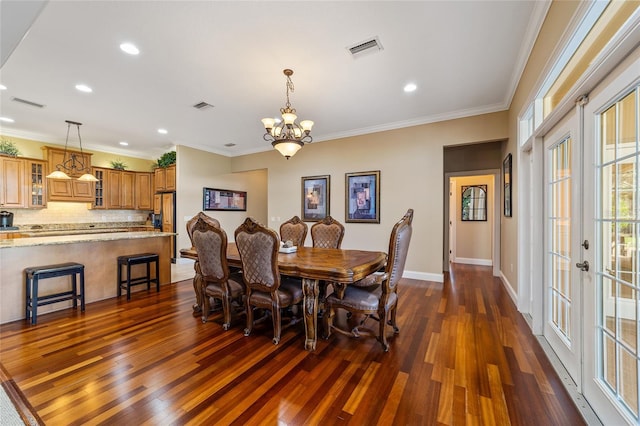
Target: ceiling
point(464, 56)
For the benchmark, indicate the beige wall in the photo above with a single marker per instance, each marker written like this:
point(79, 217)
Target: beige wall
point(474, 240)
point(410, 161)
point(559, 14)
point(197, 169)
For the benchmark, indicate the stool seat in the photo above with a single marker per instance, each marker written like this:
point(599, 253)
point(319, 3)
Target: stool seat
point(35, 273)
point(137, 259)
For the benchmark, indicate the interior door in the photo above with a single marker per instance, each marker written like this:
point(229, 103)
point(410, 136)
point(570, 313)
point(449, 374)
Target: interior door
point(562, 238)
point(612, 363)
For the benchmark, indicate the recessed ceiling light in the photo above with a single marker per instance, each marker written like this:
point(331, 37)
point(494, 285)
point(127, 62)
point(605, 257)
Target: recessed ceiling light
point(123, 143)
point(129, 48)
point(410, 88)
point(84, 88)
point(7, 119)
point(162, 131)
point(3, 87)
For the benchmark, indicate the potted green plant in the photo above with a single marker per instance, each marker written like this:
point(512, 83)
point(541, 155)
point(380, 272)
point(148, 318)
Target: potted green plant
point(8, 148)
point(167, 159)
point(118, 164)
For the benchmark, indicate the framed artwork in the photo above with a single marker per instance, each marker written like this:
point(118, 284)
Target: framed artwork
point(506, 179)
point(315, 197)
point(362, 195)
point(223, 199)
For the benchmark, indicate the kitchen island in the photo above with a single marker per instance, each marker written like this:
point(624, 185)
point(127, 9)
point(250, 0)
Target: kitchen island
point(98, 252)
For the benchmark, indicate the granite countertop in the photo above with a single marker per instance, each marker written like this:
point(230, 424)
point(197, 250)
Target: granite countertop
point(80, 238)
point(77, 227)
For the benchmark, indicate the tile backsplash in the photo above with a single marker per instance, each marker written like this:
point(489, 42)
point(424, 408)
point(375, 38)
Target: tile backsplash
point(68, 212)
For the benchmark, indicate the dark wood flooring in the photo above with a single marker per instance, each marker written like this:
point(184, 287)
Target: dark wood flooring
point(464, 355)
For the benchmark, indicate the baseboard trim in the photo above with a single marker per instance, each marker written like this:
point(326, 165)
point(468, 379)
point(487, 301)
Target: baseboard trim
point(472, 261)
point(425, 276)
point(507, 286)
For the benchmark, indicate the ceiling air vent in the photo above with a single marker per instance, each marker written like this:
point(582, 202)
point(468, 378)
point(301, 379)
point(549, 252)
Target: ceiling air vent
point(370, 46)
point(202, 105)
point(26, 102)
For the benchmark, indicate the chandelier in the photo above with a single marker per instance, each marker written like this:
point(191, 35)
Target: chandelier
point(287, 136)
point(75, 164)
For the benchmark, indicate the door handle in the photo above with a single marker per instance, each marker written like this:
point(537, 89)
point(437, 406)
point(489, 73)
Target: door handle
point(583, 266)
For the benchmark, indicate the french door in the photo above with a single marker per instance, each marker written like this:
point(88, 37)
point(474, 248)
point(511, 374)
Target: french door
point(563, 188)
point(612, 338)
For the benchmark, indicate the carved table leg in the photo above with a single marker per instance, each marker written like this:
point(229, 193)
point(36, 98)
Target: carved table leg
point(197, 288)
point(310, 291)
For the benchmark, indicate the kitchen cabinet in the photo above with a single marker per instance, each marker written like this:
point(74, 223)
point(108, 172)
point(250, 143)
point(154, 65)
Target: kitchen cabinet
point(164, 205)
point(143, 191)
point(99, 200)
point(69, 189)
point(120, 186)
point(165, 179)
point(36, 183)
point(12, 182)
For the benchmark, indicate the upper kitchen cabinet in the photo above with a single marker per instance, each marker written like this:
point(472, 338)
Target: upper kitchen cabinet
point(12, 182)
point(23, 183)
point(165, 179)
point(144, 191)
point(36, 183)
point(69, 189)
point(120, 187)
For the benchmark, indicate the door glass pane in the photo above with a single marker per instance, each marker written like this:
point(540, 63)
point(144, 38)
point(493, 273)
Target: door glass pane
point(617, 272)
point(559, 256)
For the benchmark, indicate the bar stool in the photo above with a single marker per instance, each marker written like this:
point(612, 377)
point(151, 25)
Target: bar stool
point(137, 259)
point(36, 273)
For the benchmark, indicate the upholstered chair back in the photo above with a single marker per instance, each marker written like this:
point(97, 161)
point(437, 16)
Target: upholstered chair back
point(398, 248)
point(294, 230)
point(327, 233)
point(210, 241)
point(192, 222)
point(258, 247)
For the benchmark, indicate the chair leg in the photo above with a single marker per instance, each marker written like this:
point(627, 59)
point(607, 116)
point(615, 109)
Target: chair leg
point(276, 316)
point(226, 312)
point(327, 320)
point(247, 330)
point(206, 305)
point(392, 321)
point(383, 336)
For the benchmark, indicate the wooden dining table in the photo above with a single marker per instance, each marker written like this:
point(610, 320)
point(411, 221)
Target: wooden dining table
point(312, 265)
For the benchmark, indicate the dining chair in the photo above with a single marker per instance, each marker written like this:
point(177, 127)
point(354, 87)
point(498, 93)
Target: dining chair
point(258, 248)
point(210, 242)
point(327, 233)
point(379, 301)
point(197, 307)
point(294, 230)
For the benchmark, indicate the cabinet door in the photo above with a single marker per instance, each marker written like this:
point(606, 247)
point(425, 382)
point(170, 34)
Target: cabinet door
point(36, 183)
point(167, 211)
point(13, 182)
point(170, 178)
point(160, 175)
point(127, 199)
point(143, 191)
point(114, 183)
point(82, 191)
point(157, 204)
point(100, 186)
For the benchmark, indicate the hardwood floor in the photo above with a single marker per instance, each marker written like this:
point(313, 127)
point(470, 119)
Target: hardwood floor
point(463, 356)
